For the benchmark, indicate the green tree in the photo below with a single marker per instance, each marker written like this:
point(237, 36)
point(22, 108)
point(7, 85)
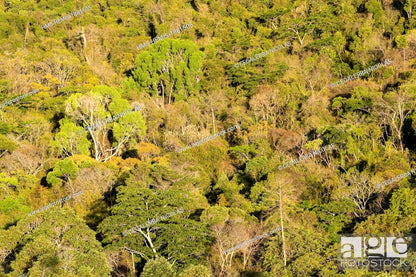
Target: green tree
point(68, 140)
point(63, 170)
point(159, 267)
point(401, 43)
point(6, 145)
point(176, 237)
point(171, 68)
point(375, 8)
point(196, 270)
point(53, 243)
point(400, 217)
point(102, 110)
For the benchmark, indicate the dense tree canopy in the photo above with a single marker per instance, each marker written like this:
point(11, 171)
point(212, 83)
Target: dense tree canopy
point(108, 118)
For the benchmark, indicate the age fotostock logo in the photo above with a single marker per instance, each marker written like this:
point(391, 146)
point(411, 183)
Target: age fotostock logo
point(377, 253)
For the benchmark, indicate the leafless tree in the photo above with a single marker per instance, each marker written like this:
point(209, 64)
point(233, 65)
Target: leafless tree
point(230, 234)
point(392, 110)
point(357, 187)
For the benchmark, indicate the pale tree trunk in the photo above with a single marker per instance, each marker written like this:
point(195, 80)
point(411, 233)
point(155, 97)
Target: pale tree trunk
point(359, 190)
point(311, 85)
point(95, 142)
point(149, 240)
point(132, 262)
point(213, 118)
point(282, 226)
point(147, 236)
point(398, 130)
point(394, 114)
point(113, 151)
point(223, 261)
point(230, 260)
point(70, 184)
point(298, 35)
point(27, 31)
point(226, 261)
point(132, 257)
point(84, 42)
point(222, 256)
point(101, 152)
point(401, 115)
point(409, 13)
point(274, 27)
point(163, 93)
point(246, 257)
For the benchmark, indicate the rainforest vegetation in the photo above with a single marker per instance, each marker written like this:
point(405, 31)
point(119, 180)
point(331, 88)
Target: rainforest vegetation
point(89, 71)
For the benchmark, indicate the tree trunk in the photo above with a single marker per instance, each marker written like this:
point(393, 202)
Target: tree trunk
point(132, 262)
point(171, 90)
point(281, 225)
point(149, 240)
point(95, 142)
point(163, 93)
point(409, 13)
point(84, 42)
point(68, 181)
point(213, 118)
point(246, 258)
point(27, 31)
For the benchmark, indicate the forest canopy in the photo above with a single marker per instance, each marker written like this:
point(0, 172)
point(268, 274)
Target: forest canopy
point(324, 152)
